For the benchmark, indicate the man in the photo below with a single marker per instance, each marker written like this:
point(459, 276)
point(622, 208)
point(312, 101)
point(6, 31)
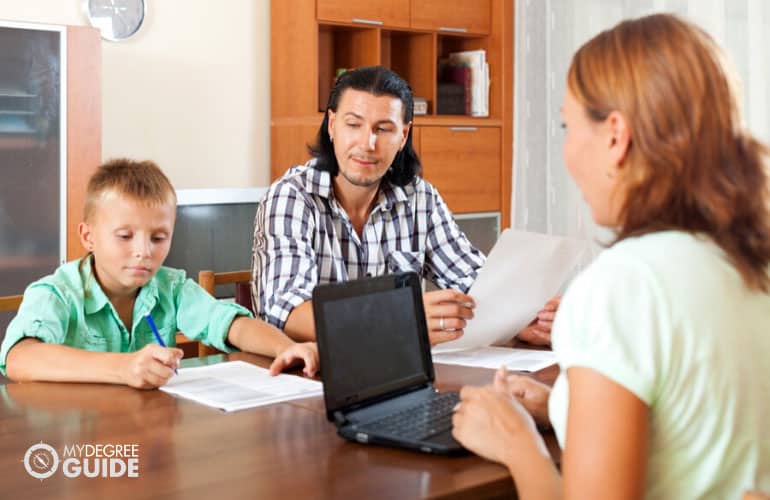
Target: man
point(359, 208)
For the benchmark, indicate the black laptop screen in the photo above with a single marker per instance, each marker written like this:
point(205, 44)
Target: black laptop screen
point(372, 346)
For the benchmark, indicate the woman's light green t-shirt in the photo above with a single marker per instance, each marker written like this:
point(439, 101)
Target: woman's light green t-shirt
point(667, 317)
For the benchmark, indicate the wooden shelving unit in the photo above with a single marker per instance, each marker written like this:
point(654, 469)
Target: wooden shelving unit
point(469, 159)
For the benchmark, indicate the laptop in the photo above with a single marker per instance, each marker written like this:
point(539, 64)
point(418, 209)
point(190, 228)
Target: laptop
point(376, 365)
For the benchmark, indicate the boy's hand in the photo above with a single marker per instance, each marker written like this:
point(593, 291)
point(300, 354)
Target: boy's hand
point(306, 352)
point(151, 366)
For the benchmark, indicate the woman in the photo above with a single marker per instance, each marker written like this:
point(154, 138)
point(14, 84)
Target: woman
point(664, 341)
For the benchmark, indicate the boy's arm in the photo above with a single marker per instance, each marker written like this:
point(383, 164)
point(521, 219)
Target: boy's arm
point(32, 360)
point(258, 337)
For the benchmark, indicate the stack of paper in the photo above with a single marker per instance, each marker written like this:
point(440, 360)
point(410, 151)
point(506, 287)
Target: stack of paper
point(235, 385)
point(476, 60)
point(528, 360)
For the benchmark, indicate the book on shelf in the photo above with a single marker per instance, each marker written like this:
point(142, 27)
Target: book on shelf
point(454, 89)
point(450, 99)
point(476, 62)
point(461, 75)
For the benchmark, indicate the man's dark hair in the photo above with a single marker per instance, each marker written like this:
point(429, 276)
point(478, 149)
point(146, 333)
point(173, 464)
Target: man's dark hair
point(378, 81)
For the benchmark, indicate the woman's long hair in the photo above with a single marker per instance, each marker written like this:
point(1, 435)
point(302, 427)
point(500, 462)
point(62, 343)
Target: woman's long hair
point(691, 164)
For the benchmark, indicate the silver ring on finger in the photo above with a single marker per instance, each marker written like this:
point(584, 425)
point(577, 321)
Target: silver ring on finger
point(441, 323)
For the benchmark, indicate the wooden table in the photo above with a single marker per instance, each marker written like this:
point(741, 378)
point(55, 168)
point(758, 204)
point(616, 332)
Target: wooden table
point(187, 450)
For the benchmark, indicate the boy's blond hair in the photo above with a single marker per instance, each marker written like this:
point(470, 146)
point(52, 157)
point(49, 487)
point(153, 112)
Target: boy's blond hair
point(142, 181)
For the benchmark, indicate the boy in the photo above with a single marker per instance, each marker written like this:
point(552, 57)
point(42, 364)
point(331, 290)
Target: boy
point(86, 322)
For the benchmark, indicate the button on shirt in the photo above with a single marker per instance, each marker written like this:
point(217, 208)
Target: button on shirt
point(70, 308)
point(303, 237)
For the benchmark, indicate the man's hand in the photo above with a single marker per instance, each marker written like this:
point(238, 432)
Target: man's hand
point(151, 366)
point(446, 313)
point(539, 331)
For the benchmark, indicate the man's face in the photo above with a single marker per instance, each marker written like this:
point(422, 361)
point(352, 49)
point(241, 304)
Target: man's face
point(367, 132)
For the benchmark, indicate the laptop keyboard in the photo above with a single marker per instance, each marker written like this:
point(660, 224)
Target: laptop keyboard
point(417, 422)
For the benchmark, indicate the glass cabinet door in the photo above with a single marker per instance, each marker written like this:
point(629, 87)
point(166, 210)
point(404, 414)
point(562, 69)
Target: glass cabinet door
point(32, 165)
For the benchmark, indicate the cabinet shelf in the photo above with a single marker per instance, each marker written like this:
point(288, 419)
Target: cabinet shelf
point(414, 55)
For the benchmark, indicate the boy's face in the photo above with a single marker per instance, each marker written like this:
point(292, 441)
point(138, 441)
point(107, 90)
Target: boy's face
point(129, 240)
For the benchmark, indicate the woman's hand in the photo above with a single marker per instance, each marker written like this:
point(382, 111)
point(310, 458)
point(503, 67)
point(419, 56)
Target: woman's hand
point(494, 425)
point(446, 313)
point(294, 354)
point(532, 395)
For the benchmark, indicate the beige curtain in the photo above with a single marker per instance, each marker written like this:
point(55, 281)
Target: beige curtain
point(547, 33)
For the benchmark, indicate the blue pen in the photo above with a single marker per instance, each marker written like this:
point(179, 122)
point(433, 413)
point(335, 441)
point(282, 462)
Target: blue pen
point(157, 335)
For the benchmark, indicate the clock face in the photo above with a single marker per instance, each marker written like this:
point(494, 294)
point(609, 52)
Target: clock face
point(116, 19)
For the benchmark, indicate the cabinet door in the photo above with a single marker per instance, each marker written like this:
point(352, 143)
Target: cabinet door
point(464, 165)
point(394, 13)
point(461, 16)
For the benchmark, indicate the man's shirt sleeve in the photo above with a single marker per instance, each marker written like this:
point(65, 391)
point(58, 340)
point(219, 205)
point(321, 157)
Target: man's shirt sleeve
point(452, 261)
point(284, 260)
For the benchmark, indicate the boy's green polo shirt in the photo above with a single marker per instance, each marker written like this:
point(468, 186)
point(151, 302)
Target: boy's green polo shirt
point(70, 308)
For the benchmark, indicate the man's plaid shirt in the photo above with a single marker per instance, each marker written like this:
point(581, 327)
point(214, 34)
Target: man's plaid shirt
point(303, 237)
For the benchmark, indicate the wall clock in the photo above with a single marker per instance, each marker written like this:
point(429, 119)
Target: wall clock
point(116, 19)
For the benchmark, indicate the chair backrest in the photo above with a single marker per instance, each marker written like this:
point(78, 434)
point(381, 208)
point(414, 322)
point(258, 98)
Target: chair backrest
point(208, 280)
point(10, 302)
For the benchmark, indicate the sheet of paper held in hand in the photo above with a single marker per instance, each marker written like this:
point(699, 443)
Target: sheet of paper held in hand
point(236, 385)
point(521, 273)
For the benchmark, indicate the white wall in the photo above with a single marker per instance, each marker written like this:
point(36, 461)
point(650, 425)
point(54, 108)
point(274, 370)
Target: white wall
point(190, 91)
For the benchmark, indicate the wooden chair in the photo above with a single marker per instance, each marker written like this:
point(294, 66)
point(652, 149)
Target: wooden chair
point(10, 302)
point(208, 280)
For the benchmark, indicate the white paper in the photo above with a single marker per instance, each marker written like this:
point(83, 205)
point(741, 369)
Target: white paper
point(529, 360)
point(522, 272)
point(236, 385)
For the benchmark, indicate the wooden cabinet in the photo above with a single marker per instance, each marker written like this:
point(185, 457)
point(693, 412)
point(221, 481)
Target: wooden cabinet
point(393, 13)
point(464, 165)
point(50, 137)
point(312, 39)
point(289, 145)
point(452, 16)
